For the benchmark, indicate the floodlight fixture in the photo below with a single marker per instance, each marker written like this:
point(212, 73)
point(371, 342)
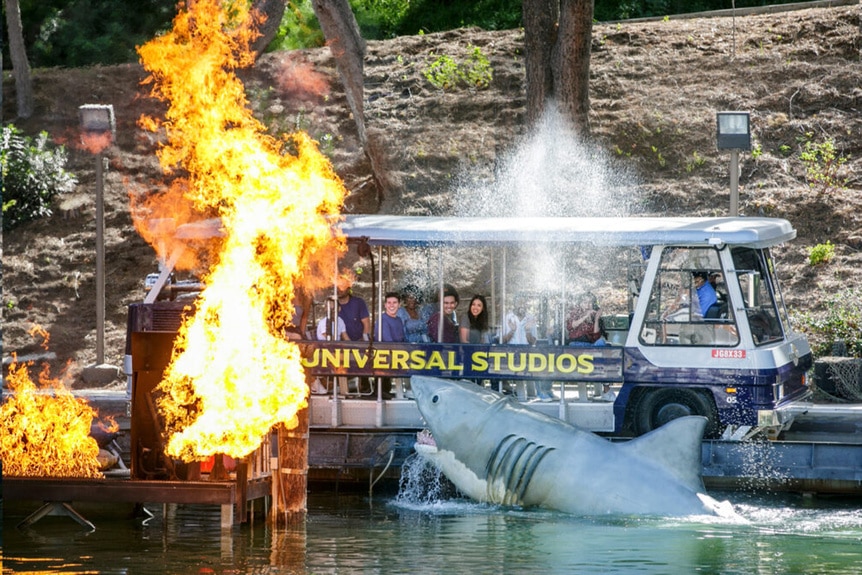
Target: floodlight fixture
point(733, 130)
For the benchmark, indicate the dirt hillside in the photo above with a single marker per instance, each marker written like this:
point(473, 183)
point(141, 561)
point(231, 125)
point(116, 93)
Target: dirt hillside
point(655, 88)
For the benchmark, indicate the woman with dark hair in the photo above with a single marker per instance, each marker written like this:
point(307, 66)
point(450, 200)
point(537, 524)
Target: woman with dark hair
point(475, 330)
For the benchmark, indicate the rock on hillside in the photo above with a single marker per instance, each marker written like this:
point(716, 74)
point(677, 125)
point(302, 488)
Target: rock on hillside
point(655, 89)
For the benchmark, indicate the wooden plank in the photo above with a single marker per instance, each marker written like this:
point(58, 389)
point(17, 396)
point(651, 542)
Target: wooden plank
point(113, 490)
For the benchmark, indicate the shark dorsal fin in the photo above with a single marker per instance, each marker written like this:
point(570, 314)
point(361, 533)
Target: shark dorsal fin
point(676, 446)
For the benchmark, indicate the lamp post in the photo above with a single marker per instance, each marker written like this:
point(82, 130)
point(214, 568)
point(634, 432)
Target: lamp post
point(734, 134)
point(97, 133)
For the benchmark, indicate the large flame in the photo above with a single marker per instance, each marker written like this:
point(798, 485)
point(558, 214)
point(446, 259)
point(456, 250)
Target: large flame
point(232, 375)
point(45, 429)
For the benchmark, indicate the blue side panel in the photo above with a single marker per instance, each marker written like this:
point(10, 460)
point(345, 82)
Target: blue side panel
point(595, 364)
point(783, 460)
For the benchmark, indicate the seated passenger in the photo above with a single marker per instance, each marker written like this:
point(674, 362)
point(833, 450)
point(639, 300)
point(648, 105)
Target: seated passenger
point(413, 317)
point(391, 326)
point(449, 319)
point(475, 329)
point(519, 326)
point(299, 322)
point(584, 322)
point(325, 327)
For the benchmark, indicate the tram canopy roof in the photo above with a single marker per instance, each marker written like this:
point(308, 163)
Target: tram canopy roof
point(420, 231)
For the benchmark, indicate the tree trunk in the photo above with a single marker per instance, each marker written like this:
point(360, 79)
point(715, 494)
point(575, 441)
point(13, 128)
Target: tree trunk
point(557, 37)
point(571, 62)
point(348, 48)
point(540, 35)
point(20, 65)
point(273, 10)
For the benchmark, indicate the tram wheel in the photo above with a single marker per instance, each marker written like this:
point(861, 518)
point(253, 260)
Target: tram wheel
point(660, 406)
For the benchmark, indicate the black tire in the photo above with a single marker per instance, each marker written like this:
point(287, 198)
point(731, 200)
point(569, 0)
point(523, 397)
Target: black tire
point(659, 406)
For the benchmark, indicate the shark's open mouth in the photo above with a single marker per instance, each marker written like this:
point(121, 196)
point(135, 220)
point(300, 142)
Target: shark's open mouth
point(425, 442)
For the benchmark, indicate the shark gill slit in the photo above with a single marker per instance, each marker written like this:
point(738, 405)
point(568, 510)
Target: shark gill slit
point(490, 468)
point(513, 453)
point(535, 458)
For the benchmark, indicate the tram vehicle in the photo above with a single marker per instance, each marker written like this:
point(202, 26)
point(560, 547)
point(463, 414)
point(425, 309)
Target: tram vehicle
point(666, 357)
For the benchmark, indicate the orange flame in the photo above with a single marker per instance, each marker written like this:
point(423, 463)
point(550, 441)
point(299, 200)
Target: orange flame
point(232, 376)
point(46, 431)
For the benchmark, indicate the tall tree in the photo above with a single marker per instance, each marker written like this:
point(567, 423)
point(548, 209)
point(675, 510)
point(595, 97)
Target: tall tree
point(348, 48)
point(20, 65)
point(557, 36)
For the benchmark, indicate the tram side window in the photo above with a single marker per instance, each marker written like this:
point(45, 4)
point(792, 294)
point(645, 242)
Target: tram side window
point(757, 295)
point(676, 315)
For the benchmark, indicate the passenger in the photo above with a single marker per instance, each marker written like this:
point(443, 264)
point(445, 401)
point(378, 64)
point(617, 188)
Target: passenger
point(449, 320)
point(520, 328)
point(391, 326)
point(330, 324)
point(475, 329)
point(325, 328)
point(299, 322)
point(353, 310)
point(391, 330)
point(584, 325)
point(706, 295)
point(413, 316)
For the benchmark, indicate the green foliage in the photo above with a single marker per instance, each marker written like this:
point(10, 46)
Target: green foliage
point(697, 161)
point(822, 165)
point(442, 73)
point(841, 320)
point(85, 32)
point(440, 15)
point(821, 253)
point(445, 73)
point(756, 151)
point(299, 28)
point(379, 19)
point(33, 175)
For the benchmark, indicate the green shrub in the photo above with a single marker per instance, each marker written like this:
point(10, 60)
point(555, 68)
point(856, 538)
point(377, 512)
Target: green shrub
point(821, 253)
point(442, 73)
point(33, 175)
point(841, 320)
point(822, 165)
point(445, 73)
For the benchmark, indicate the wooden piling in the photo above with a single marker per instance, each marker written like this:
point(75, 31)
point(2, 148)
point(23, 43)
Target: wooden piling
point(290, 478)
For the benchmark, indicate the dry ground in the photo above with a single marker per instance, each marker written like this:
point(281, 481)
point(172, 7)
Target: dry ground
point(655, 89)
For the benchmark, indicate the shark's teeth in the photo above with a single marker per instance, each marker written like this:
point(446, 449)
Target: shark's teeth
point(425, 437)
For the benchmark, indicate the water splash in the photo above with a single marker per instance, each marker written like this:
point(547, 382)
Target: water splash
point(422, 484)
point(761, 464)
point(551, 172)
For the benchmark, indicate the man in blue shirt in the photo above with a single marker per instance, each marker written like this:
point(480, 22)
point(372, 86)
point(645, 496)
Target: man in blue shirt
point(706, 295)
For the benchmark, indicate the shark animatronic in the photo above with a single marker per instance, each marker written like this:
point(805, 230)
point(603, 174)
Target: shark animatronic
point(495, 450)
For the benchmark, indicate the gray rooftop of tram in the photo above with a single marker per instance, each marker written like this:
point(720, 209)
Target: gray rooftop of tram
point(419, 231)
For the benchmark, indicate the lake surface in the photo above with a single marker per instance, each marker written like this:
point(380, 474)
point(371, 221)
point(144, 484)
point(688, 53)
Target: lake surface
point(422, 531)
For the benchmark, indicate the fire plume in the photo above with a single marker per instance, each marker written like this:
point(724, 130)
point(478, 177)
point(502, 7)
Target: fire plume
point(45, 430)
point(233, 375)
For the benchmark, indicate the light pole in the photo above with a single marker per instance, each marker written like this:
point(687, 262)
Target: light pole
point(97, 133)
point(734, 134)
